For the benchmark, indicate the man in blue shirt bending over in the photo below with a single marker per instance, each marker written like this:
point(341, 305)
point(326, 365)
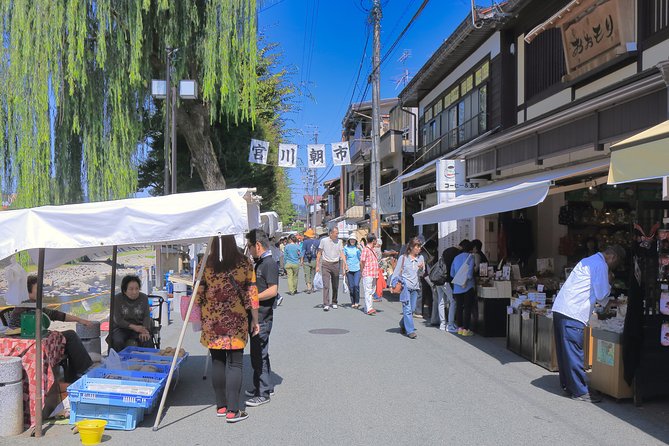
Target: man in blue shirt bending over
point(587, 284)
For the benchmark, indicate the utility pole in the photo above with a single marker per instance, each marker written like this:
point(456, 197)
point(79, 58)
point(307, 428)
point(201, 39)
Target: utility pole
point(168, 112)
point(313, 172)
point(376, 120)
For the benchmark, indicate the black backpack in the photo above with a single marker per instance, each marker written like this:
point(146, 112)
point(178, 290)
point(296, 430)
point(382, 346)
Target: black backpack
point(439, 274)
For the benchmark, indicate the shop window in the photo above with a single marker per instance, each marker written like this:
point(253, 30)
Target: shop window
point(655, 13)
point(453, 127)
point(482, 73)
point(452, 97)
point(437, 108)
point(483, 109)
point(544, 62)
point(466, 85)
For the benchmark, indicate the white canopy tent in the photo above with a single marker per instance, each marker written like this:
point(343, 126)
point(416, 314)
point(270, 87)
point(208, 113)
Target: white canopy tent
point(56, 234)
point(269, 222)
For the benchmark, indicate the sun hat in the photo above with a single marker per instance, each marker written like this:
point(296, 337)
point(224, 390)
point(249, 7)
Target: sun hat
point(309, 233)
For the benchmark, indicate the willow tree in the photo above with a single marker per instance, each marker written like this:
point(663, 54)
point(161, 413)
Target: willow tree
point(74, 88)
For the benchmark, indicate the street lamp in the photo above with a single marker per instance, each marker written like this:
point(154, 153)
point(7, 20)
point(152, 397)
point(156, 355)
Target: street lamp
point(163, 89)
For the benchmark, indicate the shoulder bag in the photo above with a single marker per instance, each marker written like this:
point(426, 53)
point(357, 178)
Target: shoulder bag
point(397, 289)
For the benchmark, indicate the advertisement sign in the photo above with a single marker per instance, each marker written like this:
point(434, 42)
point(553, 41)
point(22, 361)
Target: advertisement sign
point(390, 198)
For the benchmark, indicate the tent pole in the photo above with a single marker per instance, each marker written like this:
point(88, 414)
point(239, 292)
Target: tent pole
point(113, 290)
point(181, 338)
point(38, 345)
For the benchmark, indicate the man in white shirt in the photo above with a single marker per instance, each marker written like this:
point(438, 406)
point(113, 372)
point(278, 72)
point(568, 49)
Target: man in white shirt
point(330, 261)
point(587, 284)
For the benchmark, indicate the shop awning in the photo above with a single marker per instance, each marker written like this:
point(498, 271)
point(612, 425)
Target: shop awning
point(491, 202)
point(507, 195)
point(641, 157)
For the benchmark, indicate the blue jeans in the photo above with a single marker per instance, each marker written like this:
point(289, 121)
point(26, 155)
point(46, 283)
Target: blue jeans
point(354, 286)
point(569, 352)
point(407, 310)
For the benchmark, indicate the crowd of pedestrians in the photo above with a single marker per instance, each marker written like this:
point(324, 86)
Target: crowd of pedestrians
point(238, 296)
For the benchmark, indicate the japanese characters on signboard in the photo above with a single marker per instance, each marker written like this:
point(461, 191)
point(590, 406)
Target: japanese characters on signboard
point(593, 34)
point(287, 155)
point(390, 198)
point(451, 176)
point(258, 152)
point(341, 155)
point(316, 155)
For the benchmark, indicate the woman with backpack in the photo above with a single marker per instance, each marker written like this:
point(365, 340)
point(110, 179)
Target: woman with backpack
point(462, 271)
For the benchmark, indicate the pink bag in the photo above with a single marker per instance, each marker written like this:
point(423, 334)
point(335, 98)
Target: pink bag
point(195, 314)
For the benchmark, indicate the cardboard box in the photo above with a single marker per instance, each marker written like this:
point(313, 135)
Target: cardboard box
point(607, 366)
point(488, 292)
point(503, 288)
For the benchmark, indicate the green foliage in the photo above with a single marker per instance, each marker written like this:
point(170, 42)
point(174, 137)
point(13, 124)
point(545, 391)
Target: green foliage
point(231, 142)
point(74, 85)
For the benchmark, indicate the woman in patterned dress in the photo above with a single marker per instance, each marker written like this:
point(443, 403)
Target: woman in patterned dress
point(228, 295)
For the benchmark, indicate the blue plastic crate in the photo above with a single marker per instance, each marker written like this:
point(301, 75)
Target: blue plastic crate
point(117, 417)
point(81, 391)
point(129, 375)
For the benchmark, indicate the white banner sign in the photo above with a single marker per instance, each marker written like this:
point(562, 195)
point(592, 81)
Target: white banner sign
point(287, 155)
point(451, 175)
point(390, 198)
point(341, 155)
point(316, 155)
point(259, 151)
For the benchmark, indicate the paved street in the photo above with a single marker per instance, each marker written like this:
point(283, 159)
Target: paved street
point(371, 385)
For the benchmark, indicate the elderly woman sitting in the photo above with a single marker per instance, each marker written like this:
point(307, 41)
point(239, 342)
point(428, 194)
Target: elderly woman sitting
point(132, 317)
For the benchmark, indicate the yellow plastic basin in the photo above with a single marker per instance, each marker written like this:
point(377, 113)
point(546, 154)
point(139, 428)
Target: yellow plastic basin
point(91, 431)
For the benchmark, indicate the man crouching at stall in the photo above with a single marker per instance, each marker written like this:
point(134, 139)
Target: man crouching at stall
point(78, 358)
point(587, 284)
point(267, 282)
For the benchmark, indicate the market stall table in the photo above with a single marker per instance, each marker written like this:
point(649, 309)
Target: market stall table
point(53, 350)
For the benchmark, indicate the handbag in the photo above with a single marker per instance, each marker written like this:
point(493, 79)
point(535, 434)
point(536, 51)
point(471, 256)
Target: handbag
point(397, 289)
point(462, 275)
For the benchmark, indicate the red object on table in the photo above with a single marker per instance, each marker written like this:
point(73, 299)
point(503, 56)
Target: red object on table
point(53, 350)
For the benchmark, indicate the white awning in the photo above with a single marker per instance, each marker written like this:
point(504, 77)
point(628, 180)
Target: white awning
point(71, 231)
point(492, 202)
point(504, 196)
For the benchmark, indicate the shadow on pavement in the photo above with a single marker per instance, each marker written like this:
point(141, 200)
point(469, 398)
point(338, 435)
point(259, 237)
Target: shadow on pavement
point(549, 383)
point(651, 418)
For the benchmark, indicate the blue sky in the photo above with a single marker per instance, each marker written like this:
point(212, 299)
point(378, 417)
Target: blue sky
point(322, 41)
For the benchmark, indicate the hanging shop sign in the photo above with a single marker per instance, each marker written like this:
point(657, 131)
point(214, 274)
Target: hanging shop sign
point(451, 176)
point(593, 32)
point(390, 198)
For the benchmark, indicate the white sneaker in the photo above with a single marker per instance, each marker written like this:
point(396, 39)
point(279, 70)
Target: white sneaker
point(279, 300)
point(326, 308)
point(334, 306)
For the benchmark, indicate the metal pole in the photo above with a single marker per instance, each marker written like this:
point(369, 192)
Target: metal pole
point(113, 289)
point(168, 99)
point(174, 140)
point(376, 119)
point(38, 344)
point(181, 338)
point(315, 187)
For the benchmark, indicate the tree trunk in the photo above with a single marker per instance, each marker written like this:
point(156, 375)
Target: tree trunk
point(193, 124)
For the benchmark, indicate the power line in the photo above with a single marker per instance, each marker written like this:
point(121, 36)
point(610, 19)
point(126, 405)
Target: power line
point(404, 31)
point(362, 62)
